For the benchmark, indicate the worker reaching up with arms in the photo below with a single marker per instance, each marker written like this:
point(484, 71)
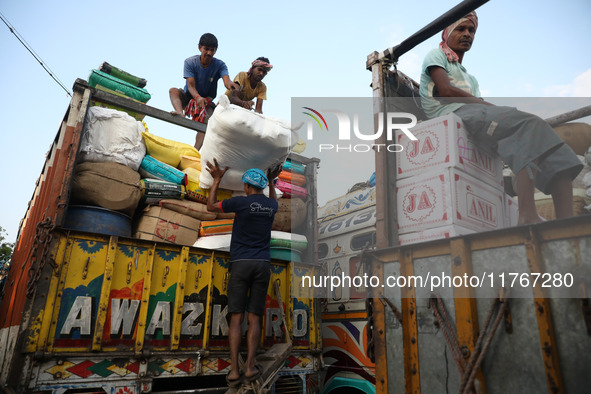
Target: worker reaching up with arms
point(250, 260)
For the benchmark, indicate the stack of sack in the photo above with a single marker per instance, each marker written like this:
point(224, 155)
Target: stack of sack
point(175, 204)
point(240, 139)
point(159, 186)
point(106, 176)
point(113, 80)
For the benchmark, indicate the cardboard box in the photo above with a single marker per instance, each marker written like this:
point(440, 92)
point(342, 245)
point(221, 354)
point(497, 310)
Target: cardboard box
point(446, 197)
point(443, 142)
point(163, 225)
point(433, 234)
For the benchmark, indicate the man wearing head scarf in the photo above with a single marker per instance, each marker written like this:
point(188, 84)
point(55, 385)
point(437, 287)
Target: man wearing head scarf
point(250, 257)
point(251, 86)
point(525, 142)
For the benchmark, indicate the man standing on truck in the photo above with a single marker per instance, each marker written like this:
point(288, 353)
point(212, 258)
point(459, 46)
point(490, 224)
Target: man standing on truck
point(250, 256)
point(525, 142)
point(202, 73)
point(251, 86)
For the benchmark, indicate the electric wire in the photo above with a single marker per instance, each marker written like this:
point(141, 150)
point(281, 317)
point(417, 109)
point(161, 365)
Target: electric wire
point(32, 52)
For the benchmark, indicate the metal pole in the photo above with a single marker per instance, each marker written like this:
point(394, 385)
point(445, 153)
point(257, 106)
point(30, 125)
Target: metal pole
point(432, 28)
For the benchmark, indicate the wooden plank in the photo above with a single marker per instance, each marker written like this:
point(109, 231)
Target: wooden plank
point(140, 107)
point(412, 380)
point(465, 301)
point(549, 346)
point(101, 315)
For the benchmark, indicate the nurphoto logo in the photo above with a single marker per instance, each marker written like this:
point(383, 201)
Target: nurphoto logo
point(402, 121)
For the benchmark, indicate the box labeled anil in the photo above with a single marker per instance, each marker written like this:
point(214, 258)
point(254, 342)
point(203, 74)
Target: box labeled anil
point(448, 197)
point(444, 142)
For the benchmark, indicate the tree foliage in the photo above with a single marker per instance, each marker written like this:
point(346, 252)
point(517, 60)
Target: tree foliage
point(5, 247)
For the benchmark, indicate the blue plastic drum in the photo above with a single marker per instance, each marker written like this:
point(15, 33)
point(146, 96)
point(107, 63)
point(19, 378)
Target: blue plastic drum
point(97, 220)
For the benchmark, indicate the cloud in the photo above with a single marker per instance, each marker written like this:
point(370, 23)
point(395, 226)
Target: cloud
point(580, 87)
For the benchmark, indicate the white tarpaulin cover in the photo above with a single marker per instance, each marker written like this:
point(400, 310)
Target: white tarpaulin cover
point(241, 139)
point(112, 136)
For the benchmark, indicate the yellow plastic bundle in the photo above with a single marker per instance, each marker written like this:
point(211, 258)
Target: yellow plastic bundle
point(196, 193)
point(167, 151)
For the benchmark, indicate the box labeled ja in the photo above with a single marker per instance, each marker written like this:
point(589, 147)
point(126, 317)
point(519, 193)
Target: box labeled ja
point(445, 197)
point(444, 142)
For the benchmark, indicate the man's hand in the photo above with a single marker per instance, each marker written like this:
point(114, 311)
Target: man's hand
point(247, 104)
point(274, 172)
point(214, 169)
point(216, 173)
point(201, 102)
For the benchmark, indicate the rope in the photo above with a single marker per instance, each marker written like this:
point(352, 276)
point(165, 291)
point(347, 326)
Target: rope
point(478, 355)
point(468, 371)
point(448, 333)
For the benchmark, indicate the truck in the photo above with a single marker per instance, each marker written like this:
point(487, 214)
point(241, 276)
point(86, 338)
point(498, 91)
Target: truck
point(85, 311)
point(464, 338)
point(347, 228)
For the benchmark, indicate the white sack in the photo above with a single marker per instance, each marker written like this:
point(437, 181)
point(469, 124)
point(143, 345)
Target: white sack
point(112, 136)
point(214, 242)
point(243, 139)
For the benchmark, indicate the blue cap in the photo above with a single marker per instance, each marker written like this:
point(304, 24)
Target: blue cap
point(255, 177)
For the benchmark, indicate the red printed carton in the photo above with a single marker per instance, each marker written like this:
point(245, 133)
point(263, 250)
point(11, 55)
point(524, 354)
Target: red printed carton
point(443, 142)
point(448, 197)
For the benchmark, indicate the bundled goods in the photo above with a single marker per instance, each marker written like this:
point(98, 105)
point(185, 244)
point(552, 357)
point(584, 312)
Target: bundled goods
point(290, 191)
point(294, 167)
point(189, 208)
point(196, 193)
point(120, 83)
point(215, 242)
point(114, 136)
point(109, 185)
point(288, 246)
point(283, 239)
point(122, 75)
point(154, 190)
point(241, 139)
point(291, 213)
point(190, 162)
point(155, 169)
point(216, 227)
point(164, 225)
point(293, 178)
point(109, 83)
point(167, 151)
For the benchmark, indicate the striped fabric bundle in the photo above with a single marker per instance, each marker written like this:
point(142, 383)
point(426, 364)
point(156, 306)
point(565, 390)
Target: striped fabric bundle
point(211, 227)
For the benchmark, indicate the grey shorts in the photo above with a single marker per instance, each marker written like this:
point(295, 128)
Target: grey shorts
point(249, 281)
point(520, 138)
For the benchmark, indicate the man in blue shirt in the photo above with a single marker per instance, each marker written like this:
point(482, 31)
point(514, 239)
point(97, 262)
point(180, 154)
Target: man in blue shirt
point(250, 256)
point(202, 73)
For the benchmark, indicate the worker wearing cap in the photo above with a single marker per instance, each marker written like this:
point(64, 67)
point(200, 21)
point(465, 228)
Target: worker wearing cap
point(251, 85)
point(250, 257)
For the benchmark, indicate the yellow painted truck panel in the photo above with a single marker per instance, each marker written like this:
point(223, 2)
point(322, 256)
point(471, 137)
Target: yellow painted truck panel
point(113, 294)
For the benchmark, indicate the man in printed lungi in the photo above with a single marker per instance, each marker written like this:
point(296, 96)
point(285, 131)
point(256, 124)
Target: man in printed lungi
point(202, 73)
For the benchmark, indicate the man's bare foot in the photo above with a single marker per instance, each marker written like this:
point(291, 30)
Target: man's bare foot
point(177, 113)
point(529, 220)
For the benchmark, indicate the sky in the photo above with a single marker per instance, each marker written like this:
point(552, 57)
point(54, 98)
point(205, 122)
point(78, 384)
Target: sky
point(523, 48)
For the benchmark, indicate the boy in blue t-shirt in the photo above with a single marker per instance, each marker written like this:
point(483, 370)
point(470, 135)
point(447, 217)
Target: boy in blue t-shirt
point(202, 73)
point(250, 255)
